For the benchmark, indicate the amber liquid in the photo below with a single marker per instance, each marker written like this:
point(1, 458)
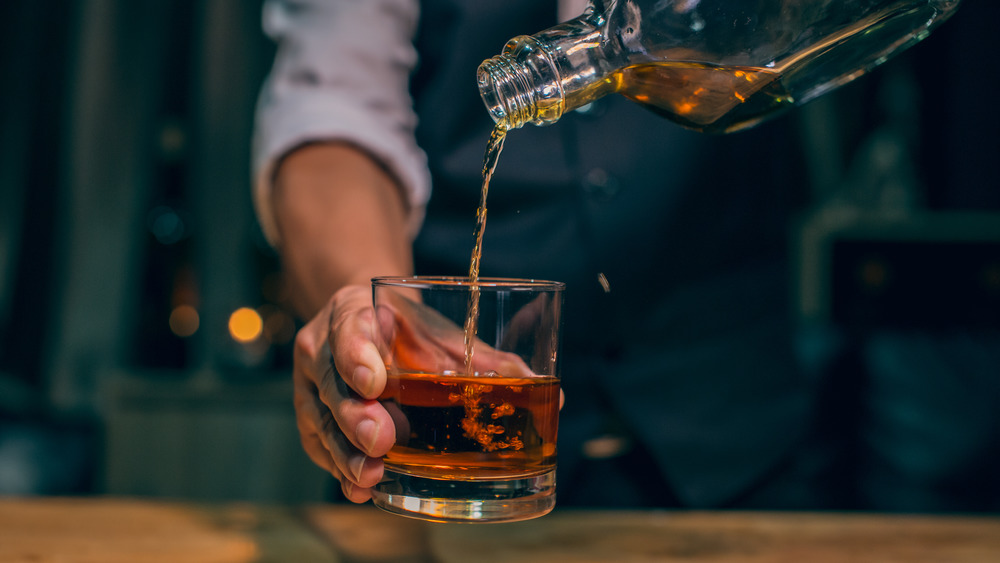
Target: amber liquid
point(714, 99)
point(493, 148)
point(722, 99)
point(454, 426)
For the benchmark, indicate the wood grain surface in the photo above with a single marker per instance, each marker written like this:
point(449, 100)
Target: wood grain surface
point(725, 537)
point(113, 530)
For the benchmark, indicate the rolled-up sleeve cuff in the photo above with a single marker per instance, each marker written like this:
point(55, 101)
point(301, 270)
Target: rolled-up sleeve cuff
point(304, 119)
point(340, 74)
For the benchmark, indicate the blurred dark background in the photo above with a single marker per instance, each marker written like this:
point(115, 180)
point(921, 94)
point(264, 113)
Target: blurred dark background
point(144, 348)
point(127, 242)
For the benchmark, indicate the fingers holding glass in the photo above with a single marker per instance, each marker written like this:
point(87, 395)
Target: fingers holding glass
point(342, 428)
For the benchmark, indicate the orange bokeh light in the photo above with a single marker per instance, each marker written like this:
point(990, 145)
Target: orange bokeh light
point(245, 325)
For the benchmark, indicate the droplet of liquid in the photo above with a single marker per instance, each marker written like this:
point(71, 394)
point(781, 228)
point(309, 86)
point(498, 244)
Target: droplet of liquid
point(603, 280)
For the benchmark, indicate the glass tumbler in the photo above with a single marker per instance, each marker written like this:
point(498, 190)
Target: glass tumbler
point(474, 391)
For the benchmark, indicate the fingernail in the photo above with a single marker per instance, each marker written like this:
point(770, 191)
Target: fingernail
point(367, 433)
point(357, 465)
point(364, 380)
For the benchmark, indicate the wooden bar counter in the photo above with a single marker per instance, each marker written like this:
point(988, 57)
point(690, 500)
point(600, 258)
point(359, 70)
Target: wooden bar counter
point(112, 530)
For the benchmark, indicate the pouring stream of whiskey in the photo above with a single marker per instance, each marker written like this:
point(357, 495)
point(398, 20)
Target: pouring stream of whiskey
point(493, 148)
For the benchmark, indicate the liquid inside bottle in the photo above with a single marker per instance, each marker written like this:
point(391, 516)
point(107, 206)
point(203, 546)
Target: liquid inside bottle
point(704, 97)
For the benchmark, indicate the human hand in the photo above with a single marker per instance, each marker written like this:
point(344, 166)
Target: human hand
point(343, 428)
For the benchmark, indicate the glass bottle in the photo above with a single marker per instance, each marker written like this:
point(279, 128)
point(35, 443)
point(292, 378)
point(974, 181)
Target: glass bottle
point(709, 65)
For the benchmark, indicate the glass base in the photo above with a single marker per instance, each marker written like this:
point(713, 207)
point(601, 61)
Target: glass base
point(437, 500)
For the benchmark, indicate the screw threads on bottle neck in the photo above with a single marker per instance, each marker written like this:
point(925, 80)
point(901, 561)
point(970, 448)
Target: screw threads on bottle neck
point(507, 91)
point(521, 85)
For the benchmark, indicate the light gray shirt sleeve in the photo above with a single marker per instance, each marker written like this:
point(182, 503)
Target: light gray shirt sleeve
point(341, 73)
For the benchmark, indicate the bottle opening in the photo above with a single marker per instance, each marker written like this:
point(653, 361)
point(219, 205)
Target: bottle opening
point(506, 91)
point(488, 91)
point(521, 85)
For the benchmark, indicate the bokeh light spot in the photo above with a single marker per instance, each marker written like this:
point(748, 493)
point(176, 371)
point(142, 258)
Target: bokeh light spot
point(245, 324)
point(184, 321)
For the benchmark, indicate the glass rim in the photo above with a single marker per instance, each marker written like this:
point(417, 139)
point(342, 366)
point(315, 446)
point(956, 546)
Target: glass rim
point(459, 282)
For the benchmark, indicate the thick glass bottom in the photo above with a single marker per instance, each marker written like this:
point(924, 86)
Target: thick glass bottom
point(438, 500)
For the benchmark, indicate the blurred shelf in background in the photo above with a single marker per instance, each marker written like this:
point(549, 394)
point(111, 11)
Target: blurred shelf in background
point(205, 438)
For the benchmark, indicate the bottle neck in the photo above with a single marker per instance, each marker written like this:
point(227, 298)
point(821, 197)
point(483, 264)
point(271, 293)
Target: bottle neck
point(522, 85)
point(536, 79)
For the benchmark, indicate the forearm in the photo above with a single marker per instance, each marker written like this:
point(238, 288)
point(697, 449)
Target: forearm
point(341, 219)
